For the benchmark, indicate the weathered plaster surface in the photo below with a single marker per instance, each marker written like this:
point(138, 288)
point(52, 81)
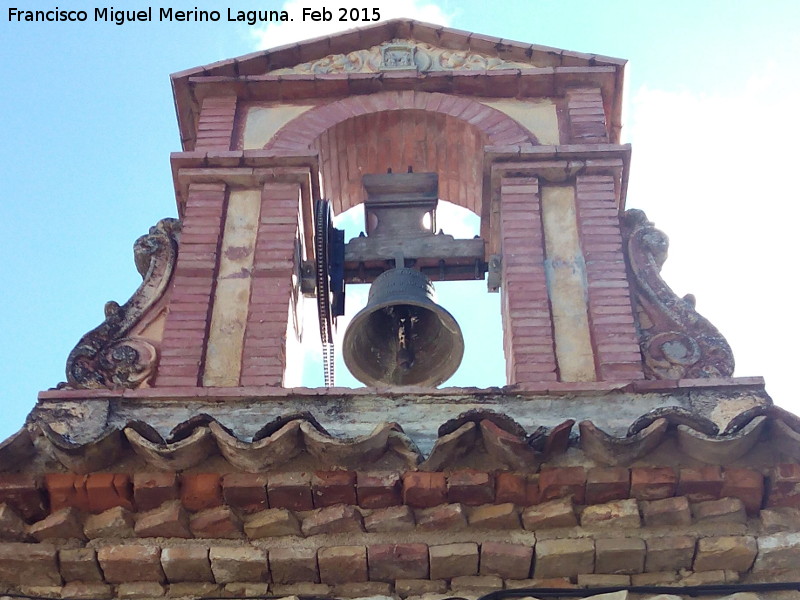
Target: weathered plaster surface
point(566, 281)
point(262, 123)
point(232, 297)
point(537, 115)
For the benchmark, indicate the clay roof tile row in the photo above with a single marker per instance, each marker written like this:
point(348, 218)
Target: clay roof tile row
point(502, 442)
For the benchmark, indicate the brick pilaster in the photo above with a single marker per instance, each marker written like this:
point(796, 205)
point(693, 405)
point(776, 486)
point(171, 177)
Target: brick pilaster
point(527, 319)
point(186, 328)
point(587, 116)
point(215, 124)
point(269, 319)
point(617, 352)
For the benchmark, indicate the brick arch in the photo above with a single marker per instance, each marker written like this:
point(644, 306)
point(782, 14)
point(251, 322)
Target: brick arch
point(499, 128)
point(428, 131)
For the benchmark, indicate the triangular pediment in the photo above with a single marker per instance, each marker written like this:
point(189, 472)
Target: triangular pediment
point(399, 48)
point(399, 44)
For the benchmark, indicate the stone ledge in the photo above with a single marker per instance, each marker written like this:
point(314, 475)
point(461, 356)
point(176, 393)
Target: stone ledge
point(265, 392)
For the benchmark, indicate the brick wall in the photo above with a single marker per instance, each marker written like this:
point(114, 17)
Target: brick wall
point(614, 336)
point(429, 131)
point(586, 116)
point(268, 319)
point(527, 319)
point(215, 124)
point(426, 141)
point(186, 328)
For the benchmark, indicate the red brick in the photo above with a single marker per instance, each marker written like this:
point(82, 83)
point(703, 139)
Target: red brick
point(784, 486)
point(200, 491)
point(470, 487)
point(116, 522)
point(293, 565)
point(79, 564)
point(453, 560)
point(547, 515)
point(667, 512)
point(563, 482)
point(246, 492)
point(533, 494)
point(333, 487)
point(107, 490)
point(745, 484)
point(342, 564)
point(653, 483)
point(495, 516)
point(151, 490)
point(135, 562)
point(65, 490)
point(168, 520)
point(422, 489)
point(65, 523)
point(186, 563)
point(604, 484)
point(22, 493)
point(12, 527)
point(699, 484)
point(290, 490)
point(441, 517)
point(231, 564)
point(388, 562)
point(509, 561)
point(339, 518)
point(29, 564)
point(391, 518)
point(511, 487)
point(216, 522)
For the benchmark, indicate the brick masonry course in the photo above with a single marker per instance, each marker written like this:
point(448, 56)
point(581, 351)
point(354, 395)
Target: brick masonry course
point(331, 564)
point(200, 504)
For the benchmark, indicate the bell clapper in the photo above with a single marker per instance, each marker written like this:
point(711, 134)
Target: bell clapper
point(403, 323)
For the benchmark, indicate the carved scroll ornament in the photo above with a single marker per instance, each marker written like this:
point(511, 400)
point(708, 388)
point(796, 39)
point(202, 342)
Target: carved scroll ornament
point(107, 357)
point(676, 341)
point(402, 54)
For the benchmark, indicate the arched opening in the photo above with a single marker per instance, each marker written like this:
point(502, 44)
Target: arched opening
point(477, 312)
point(421, 132)
point(397, 141)
point(428, 131)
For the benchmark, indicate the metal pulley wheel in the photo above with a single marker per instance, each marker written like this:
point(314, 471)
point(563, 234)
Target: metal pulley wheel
point(329, 273)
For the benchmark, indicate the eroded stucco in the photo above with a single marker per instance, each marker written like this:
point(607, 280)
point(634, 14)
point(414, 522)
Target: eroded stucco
point(262, 123)
point(566, 281)
point(537, 115)
point(232, 296)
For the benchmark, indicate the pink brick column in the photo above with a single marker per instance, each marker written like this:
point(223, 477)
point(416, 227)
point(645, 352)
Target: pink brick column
point(587, 117)
point(527, 319)
point(215, 124)
point(186, 328)
point(268, 319)
point(614, 337)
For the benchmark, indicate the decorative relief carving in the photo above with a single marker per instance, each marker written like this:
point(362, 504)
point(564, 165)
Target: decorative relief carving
point(676, 341)
point(398, 56)
point(107, 357)
point(402, 54)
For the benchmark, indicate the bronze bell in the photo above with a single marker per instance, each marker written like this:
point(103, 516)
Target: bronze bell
point(402, 337)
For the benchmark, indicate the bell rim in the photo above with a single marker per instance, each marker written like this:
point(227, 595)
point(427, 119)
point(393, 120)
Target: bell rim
point(459, 346)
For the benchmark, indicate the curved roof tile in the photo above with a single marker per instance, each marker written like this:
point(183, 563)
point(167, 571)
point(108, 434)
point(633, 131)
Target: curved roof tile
point(500, 440)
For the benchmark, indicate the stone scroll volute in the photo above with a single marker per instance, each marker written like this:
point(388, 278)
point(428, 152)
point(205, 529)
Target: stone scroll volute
point(676, 341)
point(109, 356)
